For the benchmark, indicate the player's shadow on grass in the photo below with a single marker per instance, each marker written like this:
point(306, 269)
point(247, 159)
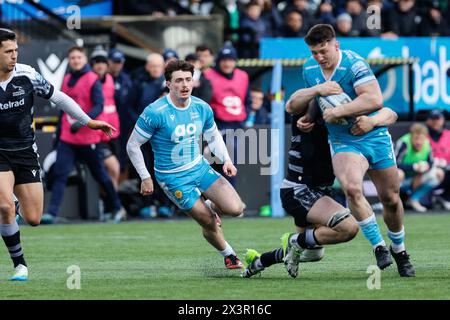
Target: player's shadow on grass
point(216, 271)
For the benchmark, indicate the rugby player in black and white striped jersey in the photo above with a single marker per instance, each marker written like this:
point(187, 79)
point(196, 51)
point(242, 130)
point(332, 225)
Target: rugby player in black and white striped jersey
point(19, 166)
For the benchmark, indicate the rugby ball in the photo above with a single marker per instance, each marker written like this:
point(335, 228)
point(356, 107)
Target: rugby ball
point(334, 101)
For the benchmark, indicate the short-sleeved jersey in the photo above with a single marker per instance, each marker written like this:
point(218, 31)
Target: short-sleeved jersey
point(174, 132)
point(352, 70)
point(16, 106)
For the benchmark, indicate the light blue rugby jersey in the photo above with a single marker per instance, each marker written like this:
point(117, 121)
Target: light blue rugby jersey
point(174, 132)
point(352, 70)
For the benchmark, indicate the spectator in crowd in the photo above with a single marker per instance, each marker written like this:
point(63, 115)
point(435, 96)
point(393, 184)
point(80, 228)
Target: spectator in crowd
point(402, 20)
point(78, 143)
point(293, 25)
point(271, 15)
point(205, 56)
point(230, 10)
point(169, 55)
point(359, 18)
point(122, 93)
point(231, 94)
point(344, 25)
point(258, 113)
point(197, 7)
point(440, 145)
point(433, 23)
point(154, 7)
point(148, 86)
point(202, 87)
point(417, 174)
point(253, 27)
point(325, 13)
point(108, 148)
point(302, 7)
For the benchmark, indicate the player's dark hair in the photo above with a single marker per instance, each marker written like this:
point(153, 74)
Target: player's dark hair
point(320, 33)
point(6, 34)
point(177, 65)
point(76, 48)
point(203, 47)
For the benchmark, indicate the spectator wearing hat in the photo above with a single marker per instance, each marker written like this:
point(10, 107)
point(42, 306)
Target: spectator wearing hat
point(169, 55)
point(122, 92)
point(76, 142)
point(231, 94)
point(440, 145)
point(108, 147)
point(344, 25)
point(202, 86)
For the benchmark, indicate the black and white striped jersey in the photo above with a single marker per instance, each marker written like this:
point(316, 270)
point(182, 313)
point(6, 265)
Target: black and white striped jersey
point(16, 106)
point(309, 157)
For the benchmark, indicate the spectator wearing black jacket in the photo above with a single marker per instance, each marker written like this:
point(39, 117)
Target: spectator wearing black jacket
point(293, 25)
point(403, 20)
point(433, 23)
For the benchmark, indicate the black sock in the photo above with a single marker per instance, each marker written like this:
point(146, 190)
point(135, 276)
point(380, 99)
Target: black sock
point(272, 257)
point(301, 240)
point(15, 249)
point(307, 239)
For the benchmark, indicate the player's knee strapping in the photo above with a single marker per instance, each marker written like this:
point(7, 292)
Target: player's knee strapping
point(338, 217)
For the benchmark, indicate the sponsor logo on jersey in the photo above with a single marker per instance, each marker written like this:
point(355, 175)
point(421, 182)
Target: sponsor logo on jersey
point(12, 104)
point(195, 115)
point(19, 91)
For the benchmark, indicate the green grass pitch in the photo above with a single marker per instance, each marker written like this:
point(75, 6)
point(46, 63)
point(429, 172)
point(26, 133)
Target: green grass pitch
point(171, 260)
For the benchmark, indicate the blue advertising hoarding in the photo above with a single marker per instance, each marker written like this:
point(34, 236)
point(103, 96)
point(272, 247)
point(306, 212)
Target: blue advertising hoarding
point(431, 83)
point(19, 9)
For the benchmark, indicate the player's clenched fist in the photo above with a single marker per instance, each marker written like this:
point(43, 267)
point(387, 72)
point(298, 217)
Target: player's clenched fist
point(147, 187)
point(229, 169)
point(328, 88)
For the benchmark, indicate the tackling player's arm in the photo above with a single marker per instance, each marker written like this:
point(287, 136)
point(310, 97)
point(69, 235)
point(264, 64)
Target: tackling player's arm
point(364, 124)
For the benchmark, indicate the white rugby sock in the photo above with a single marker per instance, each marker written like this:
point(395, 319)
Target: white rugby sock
point(227, 251)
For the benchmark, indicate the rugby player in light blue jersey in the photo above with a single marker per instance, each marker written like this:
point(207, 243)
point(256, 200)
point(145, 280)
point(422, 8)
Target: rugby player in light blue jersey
point(173, 125)
point(331, 71)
